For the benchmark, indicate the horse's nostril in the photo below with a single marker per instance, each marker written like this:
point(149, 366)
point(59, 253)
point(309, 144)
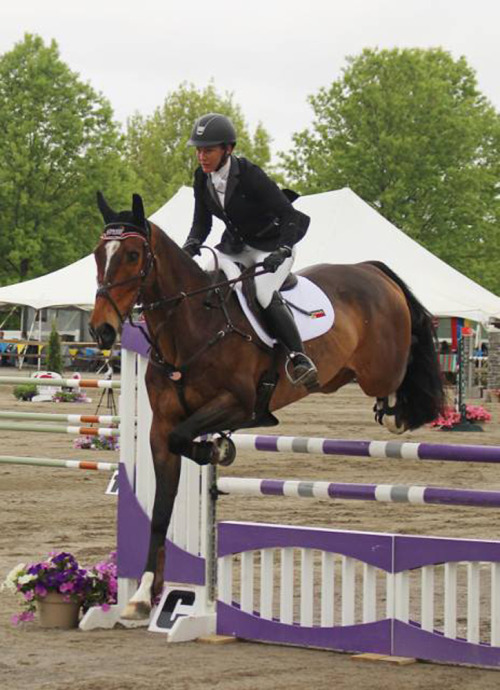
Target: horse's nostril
point(105, 336)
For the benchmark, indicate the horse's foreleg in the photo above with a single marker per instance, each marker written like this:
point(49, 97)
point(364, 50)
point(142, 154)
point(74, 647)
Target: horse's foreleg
point(167, 472)
point(220, 414)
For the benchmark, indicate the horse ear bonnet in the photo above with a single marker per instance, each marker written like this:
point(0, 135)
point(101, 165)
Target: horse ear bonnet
point(138, 210)
point(106, 211)
point(135, 218)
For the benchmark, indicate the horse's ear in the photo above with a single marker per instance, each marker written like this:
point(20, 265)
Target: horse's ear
point(106, 211)
point(138, 209)
point(290, 195)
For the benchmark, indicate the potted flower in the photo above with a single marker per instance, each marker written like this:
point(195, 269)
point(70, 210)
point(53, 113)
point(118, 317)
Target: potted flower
point(452, 418)
point(100, 442)
point(58, 588)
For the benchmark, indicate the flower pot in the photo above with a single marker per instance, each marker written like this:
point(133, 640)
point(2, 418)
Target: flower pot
point(55, 612)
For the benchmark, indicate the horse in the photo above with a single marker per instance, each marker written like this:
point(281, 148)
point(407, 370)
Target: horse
point(206, 362)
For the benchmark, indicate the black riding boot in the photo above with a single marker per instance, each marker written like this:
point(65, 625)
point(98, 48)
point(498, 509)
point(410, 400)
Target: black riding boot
point(282, 326)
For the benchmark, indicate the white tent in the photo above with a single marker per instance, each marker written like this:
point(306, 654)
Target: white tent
point(344, 229)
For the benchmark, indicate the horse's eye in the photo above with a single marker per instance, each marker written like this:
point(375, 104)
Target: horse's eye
point(132, 257)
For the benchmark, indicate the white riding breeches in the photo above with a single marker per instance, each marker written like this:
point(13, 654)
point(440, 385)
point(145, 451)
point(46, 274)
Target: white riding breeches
point(268, 283)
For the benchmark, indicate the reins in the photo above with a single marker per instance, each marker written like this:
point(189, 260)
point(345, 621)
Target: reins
point(245, 275)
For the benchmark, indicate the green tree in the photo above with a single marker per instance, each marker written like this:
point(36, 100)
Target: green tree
point(157, 145)
point(54, 356)
point(58, 145)
point(409, 131)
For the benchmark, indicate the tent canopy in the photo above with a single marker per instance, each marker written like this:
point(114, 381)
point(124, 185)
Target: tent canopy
point(344, 229)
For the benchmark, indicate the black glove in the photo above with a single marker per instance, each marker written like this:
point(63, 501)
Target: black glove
point(274, 260)
point(192, 247)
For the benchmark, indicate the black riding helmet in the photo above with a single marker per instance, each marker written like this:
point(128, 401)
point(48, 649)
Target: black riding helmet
point(211, 130)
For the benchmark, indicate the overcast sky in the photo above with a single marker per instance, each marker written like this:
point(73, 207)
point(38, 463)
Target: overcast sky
point(271, 54)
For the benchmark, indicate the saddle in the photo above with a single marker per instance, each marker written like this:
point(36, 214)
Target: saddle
point(249, 291)
point(250, 295)
point(313, 311)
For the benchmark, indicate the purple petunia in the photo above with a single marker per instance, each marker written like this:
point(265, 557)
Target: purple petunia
point(67, 587)
point(96, 586)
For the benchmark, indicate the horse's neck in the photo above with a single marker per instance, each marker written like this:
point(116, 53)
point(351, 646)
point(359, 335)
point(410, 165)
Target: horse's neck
point(176, 272)
point(176, 326)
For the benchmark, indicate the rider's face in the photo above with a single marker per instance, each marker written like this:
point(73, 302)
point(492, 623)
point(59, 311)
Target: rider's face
point(209, 157)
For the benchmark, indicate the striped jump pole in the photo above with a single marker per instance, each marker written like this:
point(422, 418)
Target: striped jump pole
point(68, 464)
point(104, 419)
point(386, 493)
point(56, 429)
point(367, 449)
point(66, 383)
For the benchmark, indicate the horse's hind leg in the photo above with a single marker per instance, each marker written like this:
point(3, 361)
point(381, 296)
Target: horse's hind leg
point(387, 414)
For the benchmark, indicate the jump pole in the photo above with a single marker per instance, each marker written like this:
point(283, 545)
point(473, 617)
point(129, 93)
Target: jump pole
point(385, 493)
point(52, 462)
point(65, 383)
point(56, 429)
point(367, 449)
point(104, 419)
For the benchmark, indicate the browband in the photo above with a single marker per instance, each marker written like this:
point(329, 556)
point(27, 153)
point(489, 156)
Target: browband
point(121, 231)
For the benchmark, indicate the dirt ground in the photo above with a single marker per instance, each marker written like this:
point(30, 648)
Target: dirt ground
point(44, 509)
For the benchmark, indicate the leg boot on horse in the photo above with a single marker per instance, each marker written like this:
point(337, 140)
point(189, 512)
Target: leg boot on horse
point(282, 326)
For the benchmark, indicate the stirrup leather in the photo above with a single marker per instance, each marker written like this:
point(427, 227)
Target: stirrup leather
point(308, 376)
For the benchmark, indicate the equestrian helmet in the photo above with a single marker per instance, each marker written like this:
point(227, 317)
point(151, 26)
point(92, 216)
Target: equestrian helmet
point(211, 130)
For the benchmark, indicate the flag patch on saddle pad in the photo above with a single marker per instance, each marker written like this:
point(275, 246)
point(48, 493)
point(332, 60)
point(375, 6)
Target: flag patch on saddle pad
point(318, 314)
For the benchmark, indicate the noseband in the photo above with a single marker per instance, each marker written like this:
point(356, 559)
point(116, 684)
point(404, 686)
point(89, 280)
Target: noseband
point(122, 231)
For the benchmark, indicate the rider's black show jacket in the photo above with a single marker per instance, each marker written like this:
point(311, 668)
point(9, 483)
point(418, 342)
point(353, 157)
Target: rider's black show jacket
point(256, 211)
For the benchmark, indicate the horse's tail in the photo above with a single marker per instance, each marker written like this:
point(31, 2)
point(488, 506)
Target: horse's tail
point(420, 397)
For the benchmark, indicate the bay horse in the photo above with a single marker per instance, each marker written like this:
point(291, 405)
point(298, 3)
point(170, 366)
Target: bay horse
point(206, 363)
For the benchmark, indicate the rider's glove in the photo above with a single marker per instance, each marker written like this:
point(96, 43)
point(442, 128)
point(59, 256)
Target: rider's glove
point(192, 247)
point(274, 260)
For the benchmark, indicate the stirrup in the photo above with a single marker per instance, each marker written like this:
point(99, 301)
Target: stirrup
point(304, 372)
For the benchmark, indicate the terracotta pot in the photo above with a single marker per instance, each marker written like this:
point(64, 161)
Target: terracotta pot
point(55, 612)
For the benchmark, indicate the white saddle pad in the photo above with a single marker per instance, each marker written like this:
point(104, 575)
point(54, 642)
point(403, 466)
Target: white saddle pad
point(305, 295)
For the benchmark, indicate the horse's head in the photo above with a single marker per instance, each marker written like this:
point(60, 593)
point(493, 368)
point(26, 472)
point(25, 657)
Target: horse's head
point(124, 260)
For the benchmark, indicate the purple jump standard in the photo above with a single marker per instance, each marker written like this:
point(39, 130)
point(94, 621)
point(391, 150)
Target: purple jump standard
point(386, 493)
point(368, 449)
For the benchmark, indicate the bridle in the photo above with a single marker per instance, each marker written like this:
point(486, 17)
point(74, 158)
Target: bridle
point(121, 231)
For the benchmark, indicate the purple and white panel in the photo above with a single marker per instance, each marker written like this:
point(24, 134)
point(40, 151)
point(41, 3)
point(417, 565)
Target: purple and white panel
point(431, 598)
point(448, 600)
point(304, 586)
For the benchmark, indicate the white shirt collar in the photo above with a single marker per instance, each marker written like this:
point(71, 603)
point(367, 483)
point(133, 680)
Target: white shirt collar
point(222, 174)
point(219, 180)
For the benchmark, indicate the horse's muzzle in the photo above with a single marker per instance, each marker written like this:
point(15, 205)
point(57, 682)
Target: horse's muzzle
point(105, 336)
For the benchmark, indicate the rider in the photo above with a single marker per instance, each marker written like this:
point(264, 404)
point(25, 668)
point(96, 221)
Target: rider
point(261, 226)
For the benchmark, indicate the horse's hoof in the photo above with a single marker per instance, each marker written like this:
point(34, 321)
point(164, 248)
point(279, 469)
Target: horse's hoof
point(389, 421)
point(136, 611)
point(224, 451)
